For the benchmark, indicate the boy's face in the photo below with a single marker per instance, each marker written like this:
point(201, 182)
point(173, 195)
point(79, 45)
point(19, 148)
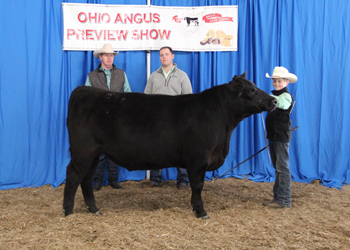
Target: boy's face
point(279, 83)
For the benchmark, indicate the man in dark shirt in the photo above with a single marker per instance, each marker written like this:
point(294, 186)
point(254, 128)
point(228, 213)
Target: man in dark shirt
point(107, 77)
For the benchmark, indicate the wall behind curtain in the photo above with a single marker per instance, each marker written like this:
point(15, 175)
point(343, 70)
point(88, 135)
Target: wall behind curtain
point(310, 38)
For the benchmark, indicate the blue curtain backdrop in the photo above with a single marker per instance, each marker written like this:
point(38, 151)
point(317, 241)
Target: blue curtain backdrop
point(310, 37)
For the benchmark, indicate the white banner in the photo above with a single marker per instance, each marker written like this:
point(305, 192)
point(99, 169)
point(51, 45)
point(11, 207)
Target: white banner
point(142, 27)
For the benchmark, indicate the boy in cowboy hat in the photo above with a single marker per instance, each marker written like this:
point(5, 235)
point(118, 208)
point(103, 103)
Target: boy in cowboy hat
point(107, 77)
point(279, 133)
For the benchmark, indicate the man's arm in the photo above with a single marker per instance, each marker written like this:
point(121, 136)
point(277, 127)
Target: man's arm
point(88, 83)
point(149, 85)
point(186, 87)
point(126, 84)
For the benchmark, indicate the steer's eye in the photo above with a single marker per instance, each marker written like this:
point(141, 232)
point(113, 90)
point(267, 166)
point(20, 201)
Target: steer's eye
point(250, 93)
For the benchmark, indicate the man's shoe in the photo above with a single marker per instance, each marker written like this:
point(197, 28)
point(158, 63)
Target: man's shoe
point(266, 203)
point(181, 186)
point(274, 204)
point(150, 185)
point(97, 187)
point(115, 185)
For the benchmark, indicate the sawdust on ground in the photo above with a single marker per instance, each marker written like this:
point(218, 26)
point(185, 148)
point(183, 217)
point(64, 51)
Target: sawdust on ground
point(162, 218)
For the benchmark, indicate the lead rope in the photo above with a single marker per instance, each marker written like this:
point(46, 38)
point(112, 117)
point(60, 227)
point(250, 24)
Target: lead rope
point(267, 146)
point(242, 162)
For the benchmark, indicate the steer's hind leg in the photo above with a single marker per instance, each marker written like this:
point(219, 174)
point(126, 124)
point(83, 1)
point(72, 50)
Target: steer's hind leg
point(87, 189)
point(77, 169)
point(72, 182)
point(197, 183)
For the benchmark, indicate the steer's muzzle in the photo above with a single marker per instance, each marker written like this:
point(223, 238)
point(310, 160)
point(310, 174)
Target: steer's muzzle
point(268, 105)
point(274, 102)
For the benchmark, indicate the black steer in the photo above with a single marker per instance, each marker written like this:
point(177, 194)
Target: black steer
point(190, 20)
point(141, 132)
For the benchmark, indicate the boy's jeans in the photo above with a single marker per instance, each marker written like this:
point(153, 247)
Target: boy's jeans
point(280, 158)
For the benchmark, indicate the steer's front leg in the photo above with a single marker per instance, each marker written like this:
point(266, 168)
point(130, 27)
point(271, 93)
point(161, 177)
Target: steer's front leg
point(197, 183)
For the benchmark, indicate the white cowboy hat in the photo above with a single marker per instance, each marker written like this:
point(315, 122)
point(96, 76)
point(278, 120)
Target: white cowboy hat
point(282, 72)
point(107, 48)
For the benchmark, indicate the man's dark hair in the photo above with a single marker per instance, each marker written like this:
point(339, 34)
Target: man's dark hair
point(167, 47)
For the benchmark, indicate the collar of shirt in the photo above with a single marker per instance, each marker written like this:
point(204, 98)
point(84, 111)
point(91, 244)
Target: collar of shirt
point(166, 74)
point(107, 72)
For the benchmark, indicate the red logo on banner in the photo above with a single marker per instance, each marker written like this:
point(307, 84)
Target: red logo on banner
point(177, 19)
point(216, 17)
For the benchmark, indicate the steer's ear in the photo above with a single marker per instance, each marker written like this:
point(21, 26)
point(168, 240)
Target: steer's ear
point(241, 76)
point(236, 85)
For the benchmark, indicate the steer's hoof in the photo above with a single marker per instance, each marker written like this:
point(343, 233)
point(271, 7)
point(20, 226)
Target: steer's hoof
point(66, 213)
point(94, 210)
point(206, 217)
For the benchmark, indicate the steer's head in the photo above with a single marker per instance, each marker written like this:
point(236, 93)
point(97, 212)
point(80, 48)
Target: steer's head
point(250, 98)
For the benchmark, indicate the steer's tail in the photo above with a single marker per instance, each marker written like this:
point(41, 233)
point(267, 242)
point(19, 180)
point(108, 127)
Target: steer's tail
point(72, 100)
point(75, 96)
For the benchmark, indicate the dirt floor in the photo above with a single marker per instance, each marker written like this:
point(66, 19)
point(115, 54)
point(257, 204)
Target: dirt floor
point(162, 218)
